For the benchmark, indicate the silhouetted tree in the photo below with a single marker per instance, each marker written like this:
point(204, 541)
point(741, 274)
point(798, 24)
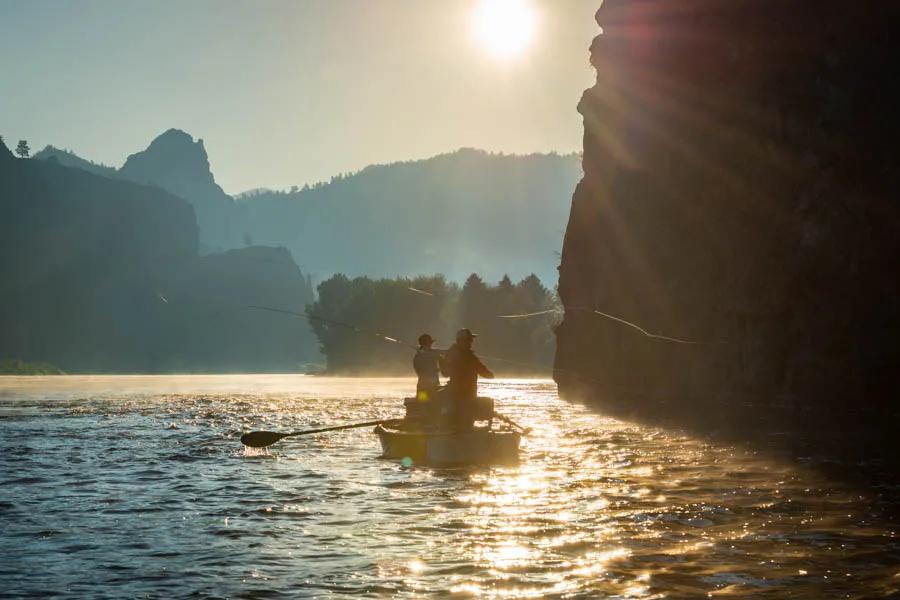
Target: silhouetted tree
point(472, 303)
point(22, 149)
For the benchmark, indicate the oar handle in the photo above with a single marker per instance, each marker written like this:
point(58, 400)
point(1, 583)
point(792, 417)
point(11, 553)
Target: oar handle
point(339, 427)
point(261, 439)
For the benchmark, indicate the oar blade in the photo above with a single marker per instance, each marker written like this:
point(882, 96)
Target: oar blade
point(260, 439)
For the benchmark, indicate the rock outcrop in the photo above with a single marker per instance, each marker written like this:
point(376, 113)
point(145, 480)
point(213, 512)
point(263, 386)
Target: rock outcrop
point(176, 163)
point(740, 194)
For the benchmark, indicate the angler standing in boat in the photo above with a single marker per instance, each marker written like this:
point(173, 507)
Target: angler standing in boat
point(427, 365)
point(463, 367)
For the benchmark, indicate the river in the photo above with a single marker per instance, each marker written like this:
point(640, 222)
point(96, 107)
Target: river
point(137, 486)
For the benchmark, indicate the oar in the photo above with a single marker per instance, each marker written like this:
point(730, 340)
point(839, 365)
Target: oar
point(261, 439)
point(508, 421)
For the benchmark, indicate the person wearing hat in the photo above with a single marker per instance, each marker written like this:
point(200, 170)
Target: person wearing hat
point(463, 368)
point(427, 365)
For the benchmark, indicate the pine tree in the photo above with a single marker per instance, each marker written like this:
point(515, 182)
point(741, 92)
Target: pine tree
point(22, 149)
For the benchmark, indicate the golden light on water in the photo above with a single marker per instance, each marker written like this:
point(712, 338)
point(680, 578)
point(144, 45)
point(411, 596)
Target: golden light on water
point(505, 28)
point(596, 508)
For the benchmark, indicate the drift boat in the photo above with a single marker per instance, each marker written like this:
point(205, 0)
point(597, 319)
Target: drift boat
point(416, 439)
point(426, 435)
point(477, 447)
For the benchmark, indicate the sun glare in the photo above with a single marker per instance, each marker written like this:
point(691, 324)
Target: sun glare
point(505, 27)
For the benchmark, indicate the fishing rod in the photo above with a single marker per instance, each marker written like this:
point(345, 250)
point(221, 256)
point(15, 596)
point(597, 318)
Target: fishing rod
point(401, 343)
point(576, 373)
point(263, 439)
point(634, 326)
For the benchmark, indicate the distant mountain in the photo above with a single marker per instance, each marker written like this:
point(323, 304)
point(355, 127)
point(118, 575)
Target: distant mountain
point(100, 274)
point(178, 164)
point(67, 158)
point(457, 213)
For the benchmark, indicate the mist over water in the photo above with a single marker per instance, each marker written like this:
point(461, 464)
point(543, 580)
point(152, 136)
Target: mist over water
point(137, 486)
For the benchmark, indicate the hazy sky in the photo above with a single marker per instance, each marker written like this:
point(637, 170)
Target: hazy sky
point(287, 92)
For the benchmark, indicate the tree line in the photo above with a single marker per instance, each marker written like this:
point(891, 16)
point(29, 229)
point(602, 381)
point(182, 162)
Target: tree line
point(369, 325)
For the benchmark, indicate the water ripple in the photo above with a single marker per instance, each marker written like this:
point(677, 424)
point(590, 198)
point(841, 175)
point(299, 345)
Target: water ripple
point(137, 486)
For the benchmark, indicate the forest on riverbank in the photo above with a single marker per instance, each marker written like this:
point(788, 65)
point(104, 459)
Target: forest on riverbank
point(369, 325)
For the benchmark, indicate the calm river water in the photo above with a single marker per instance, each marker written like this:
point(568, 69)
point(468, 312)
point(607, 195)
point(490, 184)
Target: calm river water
point(138, 487)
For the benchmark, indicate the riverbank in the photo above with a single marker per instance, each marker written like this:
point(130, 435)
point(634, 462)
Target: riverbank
point(15, 366)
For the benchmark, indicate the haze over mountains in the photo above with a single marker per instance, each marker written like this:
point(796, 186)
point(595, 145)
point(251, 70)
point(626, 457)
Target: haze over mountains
point(152, 267)
point(456, 213)
point(101, 274)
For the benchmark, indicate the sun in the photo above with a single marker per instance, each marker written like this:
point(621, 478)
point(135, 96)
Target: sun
point(504, 27)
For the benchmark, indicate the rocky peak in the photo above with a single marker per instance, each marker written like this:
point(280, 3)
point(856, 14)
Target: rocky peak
point(172, 160)
point(178, 164)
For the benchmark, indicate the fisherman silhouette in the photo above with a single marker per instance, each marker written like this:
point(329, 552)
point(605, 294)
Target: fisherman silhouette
point(463, 368)
point(427, 365)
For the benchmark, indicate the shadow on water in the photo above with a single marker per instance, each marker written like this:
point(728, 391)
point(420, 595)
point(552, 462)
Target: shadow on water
point(849, 450)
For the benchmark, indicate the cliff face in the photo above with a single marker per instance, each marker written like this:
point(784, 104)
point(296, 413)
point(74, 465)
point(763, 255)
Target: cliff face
point(739, 192)
point(178, 164)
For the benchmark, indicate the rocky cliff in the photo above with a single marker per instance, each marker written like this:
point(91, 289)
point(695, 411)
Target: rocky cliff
point(740, 196)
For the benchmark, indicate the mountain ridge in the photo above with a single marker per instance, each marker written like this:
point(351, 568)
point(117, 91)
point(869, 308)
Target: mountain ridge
point(454, 209)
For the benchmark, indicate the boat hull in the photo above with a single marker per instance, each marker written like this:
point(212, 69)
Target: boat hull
point(479, 447)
